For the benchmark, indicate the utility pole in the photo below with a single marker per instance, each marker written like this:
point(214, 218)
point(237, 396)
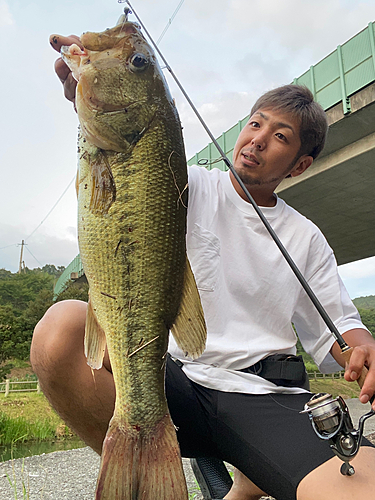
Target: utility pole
point(21, 261)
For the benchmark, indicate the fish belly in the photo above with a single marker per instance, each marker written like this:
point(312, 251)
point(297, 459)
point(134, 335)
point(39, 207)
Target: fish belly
point(133, 251)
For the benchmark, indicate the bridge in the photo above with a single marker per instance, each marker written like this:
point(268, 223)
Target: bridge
point(337, 191)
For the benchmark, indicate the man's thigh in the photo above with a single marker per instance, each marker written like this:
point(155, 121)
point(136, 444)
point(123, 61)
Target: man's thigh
point(268, 439)
point(191, 414)
point(264, 436)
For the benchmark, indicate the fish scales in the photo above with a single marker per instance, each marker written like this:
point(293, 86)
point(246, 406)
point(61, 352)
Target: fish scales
point(141, 242)
point(132, 201)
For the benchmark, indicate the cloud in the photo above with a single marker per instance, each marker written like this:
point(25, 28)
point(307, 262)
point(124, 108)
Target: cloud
point(220, 113)
point(359, 269)
point(44, 247)
point(6, 18)
point(359, 277)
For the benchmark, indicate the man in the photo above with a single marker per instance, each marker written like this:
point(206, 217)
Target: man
point(220, 403)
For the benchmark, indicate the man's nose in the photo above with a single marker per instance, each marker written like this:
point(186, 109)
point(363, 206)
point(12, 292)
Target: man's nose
point(259, 142)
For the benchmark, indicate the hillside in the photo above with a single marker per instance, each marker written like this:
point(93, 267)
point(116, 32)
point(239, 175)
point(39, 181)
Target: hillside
point(365, 302)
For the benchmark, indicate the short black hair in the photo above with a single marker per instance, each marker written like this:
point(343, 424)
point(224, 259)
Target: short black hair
point(299, 101)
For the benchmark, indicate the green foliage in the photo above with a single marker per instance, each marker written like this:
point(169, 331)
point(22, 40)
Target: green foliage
point(52, 270)
point(368, 319)
point(365, 302)
point(15, 334)
point(24, 298)
point(20, 430)
point(311, 367)
point(18, 290)
point(76, 291)
point(5, 370)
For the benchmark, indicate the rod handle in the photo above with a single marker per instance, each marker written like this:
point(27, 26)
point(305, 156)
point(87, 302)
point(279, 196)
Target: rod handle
point(346, 353)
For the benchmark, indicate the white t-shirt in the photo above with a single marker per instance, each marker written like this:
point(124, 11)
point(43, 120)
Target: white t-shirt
point(249, 294)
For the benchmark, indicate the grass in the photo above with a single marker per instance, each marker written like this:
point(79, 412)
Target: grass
point(29, 417)
point(13, 483)
point(336, 387)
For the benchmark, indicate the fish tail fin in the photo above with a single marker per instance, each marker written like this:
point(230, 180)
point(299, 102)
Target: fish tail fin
point(136, 465)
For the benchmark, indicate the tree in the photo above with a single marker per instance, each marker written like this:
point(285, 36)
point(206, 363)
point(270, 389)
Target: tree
point(24, 298)
point(19, 289)
point(368, 319)
point(77, 291)
point(15, 336)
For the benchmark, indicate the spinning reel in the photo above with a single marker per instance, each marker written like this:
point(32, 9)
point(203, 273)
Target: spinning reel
point(331, 420)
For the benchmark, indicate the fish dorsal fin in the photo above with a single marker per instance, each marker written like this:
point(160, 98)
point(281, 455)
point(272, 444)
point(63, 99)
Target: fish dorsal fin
point(189, 328)
point(94, 340)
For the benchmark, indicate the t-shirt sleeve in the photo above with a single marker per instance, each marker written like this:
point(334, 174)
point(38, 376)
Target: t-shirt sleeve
point(327, 285)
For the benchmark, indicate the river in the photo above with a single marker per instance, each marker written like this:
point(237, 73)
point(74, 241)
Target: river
point(28, 449)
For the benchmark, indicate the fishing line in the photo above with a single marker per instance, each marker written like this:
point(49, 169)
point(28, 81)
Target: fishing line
point(314, 299)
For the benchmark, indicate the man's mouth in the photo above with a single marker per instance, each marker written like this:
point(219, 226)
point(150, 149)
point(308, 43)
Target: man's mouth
point(250, 157)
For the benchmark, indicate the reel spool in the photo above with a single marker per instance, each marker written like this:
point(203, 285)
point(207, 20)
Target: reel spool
point(331, 420)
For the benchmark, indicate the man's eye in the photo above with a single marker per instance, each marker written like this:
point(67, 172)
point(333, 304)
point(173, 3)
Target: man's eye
point(281, 136)
point(254, 124)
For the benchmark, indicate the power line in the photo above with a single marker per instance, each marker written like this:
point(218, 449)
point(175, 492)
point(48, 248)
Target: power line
point(54, 206)
point(12, 245)
point(33, 256)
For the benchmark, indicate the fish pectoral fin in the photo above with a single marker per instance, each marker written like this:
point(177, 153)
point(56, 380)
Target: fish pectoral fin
point(189, 329)
point(103, 188)
point(95, 341)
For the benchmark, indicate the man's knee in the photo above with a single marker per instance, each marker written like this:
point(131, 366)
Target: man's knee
point(58, 337)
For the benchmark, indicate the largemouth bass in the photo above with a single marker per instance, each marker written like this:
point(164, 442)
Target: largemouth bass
point(132, 199)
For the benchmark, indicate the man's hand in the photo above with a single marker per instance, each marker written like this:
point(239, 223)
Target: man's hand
point(62, 70)
point(363, 355)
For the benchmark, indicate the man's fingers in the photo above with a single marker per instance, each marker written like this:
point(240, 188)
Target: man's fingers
point(358, 358)
point(57, 41)
point(367, 390)
point(61, 70)
point(70, 85)
point(361, 356)
point(67, 79)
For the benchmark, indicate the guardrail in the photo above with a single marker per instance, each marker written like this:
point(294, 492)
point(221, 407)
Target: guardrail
point(8, 386)
point(331, 376)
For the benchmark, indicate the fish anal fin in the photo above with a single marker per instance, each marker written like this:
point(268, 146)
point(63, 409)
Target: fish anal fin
point(189, 328)
point(141, 465)
point(95, 341)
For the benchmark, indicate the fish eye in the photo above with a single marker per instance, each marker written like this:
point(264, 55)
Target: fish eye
point(138, 62)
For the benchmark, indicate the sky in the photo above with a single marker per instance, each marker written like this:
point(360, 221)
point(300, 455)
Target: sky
point(225, 53)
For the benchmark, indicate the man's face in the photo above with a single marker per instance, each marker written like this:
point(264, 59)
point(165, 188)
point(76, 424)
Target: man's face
point(266, 149)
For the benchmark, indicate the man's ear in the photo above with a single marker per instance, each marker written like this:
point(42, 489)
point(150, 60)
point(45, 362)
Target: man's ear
point(301, 165)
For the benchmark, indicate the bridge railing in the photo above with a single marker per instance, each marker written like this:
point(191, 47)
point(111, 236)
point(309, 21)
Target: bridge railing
point(72, 272)
point(335, 78)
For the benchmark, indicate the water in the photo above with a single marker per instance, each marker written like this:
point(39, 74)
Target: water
point(21, 450)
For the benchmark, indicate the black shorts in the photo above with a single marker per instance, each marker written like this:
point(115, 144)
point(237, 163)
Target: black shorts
point(264, 436)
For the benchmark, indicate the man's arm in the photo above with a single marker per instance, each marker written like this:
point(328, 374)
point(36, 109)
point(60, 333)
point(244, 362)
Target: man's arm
point(363, 355)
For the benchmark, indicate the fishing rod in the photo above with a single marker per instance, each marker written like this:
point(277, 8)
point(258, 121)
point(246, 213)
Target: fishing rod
point(323, 313)
point(330, 417)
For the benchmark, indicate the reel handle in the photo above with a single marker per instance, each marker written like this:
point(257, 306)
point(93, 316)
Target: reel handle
point(347, 352)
